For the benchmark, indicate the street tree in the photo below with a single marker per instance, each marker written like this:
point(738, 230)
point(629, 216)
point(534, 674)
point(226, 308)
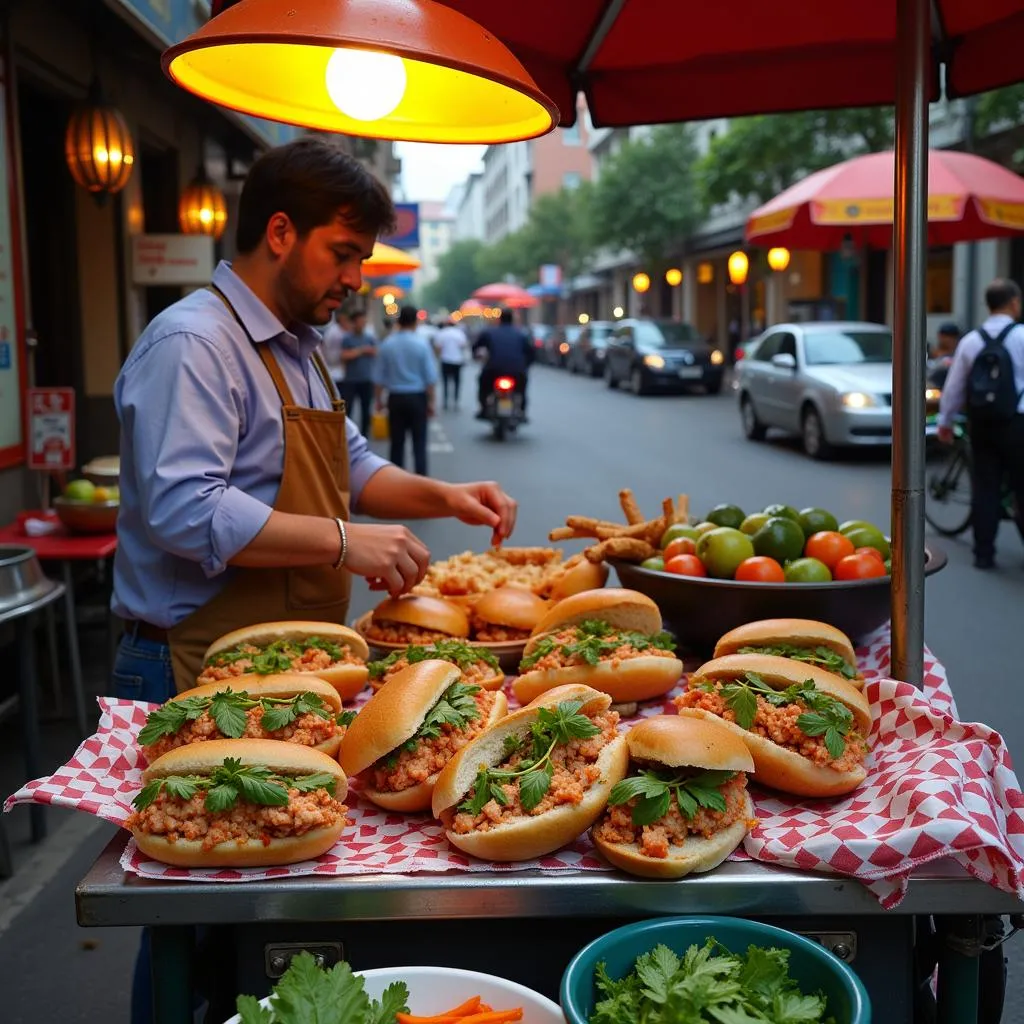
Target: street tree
point(559, 230)
point(647, 198)
point(510, 257)
point(756, 158)
point(458, 275)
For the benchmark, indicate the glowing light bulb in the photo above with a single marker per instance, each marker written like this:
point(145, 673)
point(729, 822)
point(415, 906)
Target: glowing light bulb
point(364, 84)
point(100, 154)
point(206, 215)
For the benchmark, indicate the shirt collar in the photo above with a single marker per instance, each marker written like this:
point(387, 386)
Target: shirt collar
point(261, 324)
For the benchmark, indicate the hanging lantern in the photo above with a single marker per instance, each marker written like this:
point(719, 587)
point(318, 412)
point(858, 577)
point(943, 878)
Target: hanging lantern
point(641, 282)
point(705, 273)
point(673, 276)
point(778, 258)
point(98, 147)
point(738, 267)
point(201, 209)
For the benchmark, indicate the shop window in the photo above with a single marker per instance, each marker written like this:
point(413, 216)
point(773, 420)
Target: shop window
point(939, 287)
point(571, 180)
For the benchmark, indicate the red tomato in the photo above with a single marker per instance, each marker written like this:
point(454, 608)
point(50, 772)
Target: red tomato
point(829, 547)
point(680, 546)
point(760, 569)
point(858, 567)
point(873, 552)
point(686, 565)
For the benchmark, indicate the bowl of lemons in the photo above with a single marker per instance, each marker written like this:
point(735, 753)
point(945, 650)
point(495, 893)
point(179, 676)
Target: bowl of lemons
point(86, 508)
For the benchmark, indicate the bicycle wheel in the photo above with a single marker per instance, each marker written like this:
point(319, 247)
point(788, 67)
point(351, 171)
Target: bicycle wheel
point(947, 496)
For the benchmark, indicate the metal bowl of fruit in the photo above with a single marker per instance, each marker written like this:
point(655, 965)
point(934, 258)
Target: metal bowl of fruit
point(104, 471)
point(86, 508)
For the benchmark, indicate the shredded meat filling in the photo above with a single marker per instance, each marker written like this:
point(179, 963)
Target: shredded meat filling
point(311, 660)
point(243, 823)
point(491, 633)
point(387, 632)
point(779, 726)
point(624, 652)
point(473, 675)
point(672, 829)
point(413, 767)
point(308, 730)
point(575, 771)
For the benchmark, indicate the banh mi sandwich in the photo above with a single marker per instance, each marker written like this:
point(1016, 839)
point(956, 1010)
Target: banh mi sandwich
point(411, 728)
point(577, 575)
point(478, 666)
point(417, 619)
point(239, 803)
point(805, 728)
point(536, 780)
point(816, 643)
point(335, 653)
point(683, 807)
point(506, 615)
point(608, 639)
point(293, 707)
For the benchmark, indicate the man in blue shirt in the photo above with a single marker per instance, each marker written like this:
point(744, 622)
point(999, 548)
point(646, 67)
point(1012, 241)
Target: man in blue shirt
point(509, 354)
point(406, 374)
point(358, 351)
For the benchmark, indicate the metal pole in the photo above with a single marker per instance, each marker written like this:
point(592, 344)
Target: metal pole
point(913, 38)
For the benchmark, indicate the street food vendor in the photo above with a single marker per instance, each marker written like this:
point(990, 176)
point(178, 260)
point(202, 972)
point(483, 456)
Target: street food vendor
point(239, 469)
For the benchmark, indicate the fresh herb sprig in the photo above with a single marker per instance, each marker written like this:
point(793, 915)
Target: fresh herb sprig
point(229, 711)
point(825, 716)
point(553, 727)
point(823, 657)
point(277, 656)
point(656, 788)
point(456, 708)
point(455, 651)
point(593, 640)
point(231, 781)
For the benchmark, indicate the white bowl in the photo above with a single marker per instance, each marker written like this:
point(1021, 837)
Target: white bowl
point(435, 989)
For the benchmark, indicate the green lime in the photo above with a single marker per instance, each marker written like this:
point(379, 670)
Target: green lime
point(656, 563)
point(726, 515)
point(781, 539)
point(786, 511)
point(678, 530)
point(816, 520)
point(722, 550)
point(868, 537)
point(888, 567)
point(854, 524)
point(807, 570)
point(80, 490)
point(753, 523)
point(704, 527)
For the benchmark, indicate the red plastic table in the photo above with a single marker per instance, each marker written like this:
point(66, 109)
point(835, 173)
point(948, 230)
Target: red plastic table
point(65, 548)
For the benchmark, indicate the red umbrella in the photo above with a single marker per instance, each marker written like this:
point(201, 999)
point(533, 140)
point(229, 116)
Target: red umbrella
point(666, 60)
point(969, 198)
point(501, 294)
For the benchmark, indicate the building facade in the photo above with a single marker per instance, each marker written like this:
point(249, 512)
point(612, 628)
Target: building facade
point(437, 231)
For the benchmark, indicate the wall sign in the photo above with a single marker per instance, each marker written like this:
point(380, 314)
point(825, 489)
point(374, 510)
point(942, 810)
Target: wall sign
point(51, 428)
point(172, 259)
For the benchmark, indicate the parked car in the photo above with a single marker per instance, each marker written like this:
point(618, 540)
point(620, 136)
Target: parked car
point(587, 355)
point(830, 383)
point(653, 355)
point(539, 334)
point(560, 342)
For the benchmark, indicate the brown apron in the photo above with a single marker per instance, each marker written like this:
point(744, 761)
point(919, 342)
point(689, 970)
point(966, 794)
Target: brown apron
point(314, 482)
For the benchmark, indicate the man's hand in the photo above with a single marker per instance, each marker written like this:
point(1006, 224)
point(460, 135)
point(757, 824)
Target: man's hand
point(391, 554)
point(483, 504)
point(946, 435)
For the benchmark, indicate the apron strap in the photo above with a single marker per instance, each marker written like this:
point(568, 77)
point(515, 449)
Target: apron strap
point(332, 391)
point(269, 361)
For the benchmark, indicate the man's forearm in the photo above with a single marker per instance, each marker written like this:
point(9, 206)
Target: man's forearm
point(392, 493)
point(288, 540)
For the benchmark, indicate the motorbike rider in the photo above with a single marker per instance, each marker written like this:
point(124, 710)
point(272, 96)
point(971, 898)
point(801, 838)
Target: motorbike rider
point(946, 340)
point(509, 354)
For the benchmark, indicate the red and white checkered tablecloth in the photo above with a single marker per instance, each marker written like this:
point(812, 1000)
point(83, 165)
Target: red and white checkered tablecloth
point(936, 788)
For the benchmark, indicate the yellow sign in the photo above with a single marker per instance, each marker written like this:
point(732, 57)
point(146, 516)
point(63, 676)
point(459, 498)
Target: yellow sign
point(879, 211)
point(777, 221)
point(1003, 215)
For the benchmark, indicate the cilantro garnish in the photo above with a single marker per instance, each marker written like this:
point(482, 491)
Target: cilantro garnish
point(307, 993)
point(345, 718)
point(825, 716)
point(824, 657)
point(229, 782)
point(277, 656)
point(655, 789)
point(457, 652)
point(553, 727)
point(594, 640)
point(456, 708)
point(228, 709)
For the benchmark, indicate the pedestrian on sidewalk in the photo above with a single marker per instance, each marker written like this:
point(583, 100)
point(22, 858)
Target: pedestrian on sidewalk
point(987, 379)
point(358, 352)
point(405, 375)
point(333, 334)
point(452, 347)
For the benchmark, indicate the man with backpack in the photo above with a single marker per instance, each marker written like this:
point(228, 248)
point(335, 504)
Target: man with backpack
point(986, 381)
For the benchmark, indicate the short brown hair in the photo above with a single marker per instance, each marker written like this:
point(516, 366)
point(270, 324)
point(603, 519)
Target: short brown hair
point(1000, 293)
point(312, 181)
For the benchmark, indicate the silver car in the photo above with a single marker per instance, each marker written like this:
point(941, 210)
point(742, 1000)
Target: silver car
point(830, 383)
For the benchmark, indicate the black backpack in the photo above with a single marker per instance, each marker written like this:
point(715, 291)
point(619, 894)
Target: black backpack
point(991, 391)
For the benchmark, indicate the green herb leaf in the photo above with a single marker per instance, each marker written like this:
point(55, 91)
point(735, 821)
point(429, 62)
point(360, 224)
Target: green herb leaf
point(227, 709)
point(646, 784)
point(306, 994)
point(481, 794)
point(147, 794)
point(498, 794)
point(545, 646)
point(649, 809)
point(394, 1000)
point(250, 1011)
point(346, 718)
point(824, 657)
point(309, 783)
point(533, 786)
point(181, 788)
point(221, 797)
point(835, 744)
point(512, 745)
point(165, 721)
point(565, 723)
point(743, 702)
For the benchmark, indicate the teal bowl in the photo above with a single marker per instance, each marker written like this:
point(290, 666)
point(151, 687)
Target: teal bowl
point(813, 967)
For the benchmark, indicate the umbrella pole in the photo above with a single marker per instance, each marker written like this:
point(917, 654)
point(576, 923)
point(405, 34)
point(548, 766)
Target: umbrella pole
point(908, 412)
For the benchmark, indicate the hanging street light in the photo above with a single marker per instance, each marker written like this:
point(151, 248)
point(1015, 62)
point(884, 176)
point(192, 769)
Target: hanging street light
point(584, 318)
point(407, 70)
point(738, 267)
point(617, 312)
point(201, 208)
point(674, 276)
point(98, 146)
point(641, 283)
point(778, 258)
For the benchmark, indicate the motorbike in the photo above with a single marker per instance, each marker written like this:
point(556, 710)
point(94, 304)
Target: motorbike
point(504, 407)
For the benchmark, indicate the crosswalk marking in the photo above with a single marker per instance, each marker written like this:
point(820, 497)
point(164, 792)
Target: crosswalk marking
point(437, 439)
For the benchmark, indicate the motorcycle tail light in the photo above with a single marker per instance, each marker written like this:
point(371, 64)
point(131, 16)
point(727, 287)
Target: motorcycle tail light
point(504, 384)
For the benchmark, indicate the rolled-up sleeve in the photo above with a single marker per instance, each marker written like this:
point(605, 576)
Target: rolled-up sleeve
point(362, 463)
point(182, 405)
point(954, 390)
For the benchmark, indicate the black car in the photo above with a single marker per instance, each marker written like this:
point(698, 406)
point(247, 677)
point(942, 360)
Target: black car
point(559, 343)
point(587, 355)
point(662, 355)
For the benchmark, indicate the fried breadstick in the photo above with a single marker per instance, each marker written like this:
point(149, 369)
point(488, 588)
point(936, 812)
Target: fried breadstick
point(682, 509)
point(589, 526)
point(668, 510)
point(627, 548)
point(565, 533)
point(630, 508)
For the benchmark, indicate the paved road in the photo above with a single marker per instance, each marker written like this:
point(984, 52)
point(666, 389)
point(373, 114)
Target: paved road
point(582, 445)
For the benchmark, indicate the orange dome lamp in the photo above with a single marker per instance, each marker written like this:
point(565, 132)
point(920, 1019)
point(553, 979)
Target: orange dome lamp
point(98, 146)
point(201, 209)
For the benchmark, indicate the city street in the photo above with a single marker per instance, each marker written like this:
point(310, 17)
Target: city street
point(582, 445)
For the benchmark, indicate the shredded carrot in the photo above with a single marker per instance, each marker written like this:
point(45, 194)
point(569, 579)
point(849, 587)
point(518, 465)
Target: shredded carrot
point(470, 1006)
point(472, 1011)
point(494, 1017)
point(409, 1018)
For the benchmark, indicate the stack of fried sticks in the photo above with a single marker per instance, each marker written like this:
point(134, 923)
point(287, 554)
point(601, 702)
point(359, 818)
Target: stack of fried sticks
point(633, 541)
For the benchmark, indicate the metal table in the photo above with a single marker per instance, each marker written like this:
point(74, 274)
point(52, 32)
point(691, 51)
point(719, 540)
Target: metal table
point(467, 919)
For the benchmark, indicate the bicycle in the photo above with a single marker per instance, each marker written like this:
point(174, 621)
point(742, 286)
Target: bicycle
point(947, 496)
